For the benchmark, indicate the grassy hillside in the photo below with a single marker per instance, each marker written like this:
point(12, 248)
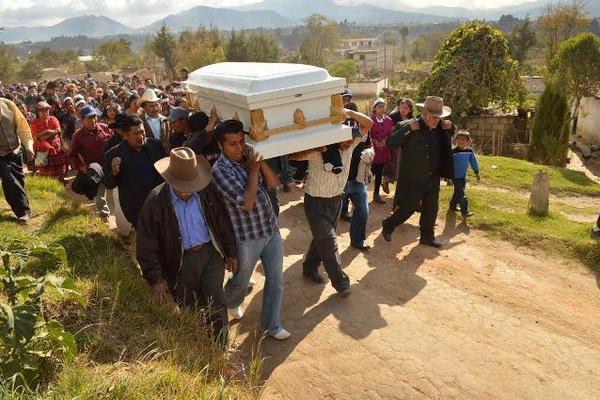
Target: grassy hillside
point(129, 348)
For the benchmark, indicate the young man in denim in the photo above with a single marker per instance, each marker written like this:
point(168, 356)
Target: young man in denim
point(243, 178)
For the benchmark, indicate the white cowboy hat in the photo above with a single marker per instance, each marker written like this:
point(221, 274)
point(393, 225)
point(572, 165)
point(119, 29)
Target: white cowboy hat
point(148, 96)
point(435, 106)
point(185, 171)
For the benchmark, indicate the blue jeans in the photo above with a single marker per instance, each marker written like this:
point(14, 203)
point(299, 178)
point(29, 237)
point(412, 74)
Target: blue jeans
point(459, 198)
point(270, 251)
point(357, 193)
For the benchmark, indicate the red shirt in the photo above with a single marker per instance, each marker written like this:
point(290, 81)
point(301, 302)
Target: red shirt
point(89, 144)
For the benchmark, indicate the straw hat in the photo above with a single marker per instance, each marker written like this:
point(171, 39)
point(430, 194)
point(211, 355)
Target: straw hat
point(184, 170)
point(435, 106)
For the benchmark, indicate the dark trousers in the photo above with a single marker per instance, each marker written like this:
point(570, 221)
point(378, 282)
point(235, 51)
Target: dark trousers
point(200, 284)
point(377, 170)
point(323, 215)
point(13, 183)
point(410, 197)
point(458, 197)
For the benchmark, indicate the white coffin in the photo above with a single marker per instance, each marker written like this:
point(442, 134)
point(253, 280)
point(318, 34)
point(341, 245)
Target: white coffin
point(274, 92)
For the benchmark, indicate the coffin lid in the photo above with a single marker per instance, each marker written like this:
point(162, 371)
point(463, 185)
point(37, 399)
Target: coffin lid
point(262, 80)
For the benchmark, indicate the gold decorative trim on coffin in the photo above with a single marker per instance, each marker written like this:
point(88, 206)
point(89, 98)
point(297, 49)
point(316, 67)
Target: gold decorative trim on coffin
point(213, 112)
point(260, 131)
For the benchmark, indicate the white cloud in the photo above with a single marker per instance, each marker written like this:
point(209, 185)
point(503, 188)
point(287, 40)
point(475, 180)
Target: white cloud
point(137, 13)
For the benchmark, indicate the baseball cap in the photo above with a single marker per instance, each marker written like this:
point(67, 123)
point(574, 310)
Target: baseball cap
point(178, 113)
point(88, 111)
point(346, 92)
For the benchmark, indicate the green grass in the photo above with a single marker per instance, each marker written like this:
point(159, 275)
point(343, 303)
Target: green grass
point(129, 347)
point(505, 216)
point(516, 174)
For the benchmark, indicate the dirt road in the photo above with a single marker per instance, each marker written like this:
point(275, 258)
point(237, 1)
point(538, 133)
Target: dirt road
point(479, 319)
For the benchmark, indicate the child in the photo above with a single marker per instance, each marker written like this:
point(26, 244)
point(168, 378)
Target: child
point(381, 130)
point(463, 156)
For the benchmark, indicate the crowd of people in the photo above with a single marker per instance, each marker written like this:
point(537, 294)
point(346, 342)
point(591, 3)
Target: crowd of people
point(201, 201)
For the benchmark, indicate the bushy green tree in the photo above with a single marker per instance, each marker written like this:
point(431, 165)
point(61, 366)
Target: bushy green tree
point(164, 45)
point(8, 64)
point(577, 65)
point(344, 69)
point(198, 48)
point(321, 35)
point(550, 133)
point(473, 70)
point(522, 39)
point(116, 53)
point(30, 69)
point(237, 47)
point(262, 48)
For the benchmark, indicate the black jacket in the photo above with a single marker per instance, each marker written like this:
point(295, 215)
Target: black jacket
point(415, 164)
point(159, 244)
point(135, 181)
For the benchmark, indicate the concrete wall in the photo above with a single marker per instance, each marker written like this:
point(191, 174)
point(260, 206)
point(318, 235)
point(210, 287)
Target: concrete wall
point(369, 89)
point(503, 135)
point(588, 123)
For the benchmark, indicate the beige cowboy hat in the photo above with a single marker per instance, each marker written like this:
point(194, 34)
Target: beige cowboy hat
point(435, 106)
point(148, 96)
point(185, 171)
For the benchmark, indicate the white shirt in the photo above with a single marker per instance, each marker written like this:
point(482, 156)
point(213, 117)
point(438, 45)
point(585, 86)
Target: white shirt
point(321, 183)
point(154, 124)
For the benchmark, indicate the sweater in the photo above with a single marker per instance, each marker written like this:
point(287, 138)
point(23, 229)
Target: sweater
point(462, 159)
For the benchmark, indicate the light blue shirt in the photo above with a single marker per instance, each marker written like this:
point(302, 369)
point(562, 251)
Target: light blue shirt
point(154, 124)
point(192, 223)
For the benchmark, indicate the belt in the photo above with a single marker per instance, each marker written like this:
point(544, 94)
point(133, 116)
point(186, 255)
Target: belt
point(197, 249)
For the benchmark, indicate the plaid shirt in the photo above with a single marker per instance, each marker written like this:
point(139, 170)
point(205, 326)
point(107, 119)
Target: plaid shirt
point(231, 178)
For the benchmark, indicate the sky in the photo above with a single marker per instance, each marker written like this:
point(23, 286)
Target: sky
point(137, 13)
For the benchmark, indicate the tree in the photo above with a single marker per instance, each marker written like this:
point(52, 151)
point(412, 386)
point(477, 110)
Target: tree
point(237, 47)
point(30, 69)
point(8, 63)
point(404, 34)
point(560, 22)
point(522, 39)
point(115, 53)
point(577, 64)
point(474, 70)
point(550, 134)
point(507, 23)
point(321, 35)
point(163, 44)
point(262, 48)
point(195, 49)
point(344, 69)
point(424, 48)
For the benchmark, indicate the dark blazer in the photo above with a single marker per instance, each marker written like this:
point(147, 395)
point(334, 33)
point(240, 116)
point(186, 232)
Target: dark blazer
point(165, 130)
point(414, 163)
point(159, 244)
point(134, 181)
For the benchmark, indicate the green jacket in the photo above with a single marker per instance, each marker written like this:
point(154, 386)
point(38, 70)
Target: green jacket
point(415, 165)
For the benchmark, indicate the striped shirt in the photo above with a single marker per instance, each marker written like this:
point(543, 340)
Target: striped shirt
point(322, 183)
point(231, 179)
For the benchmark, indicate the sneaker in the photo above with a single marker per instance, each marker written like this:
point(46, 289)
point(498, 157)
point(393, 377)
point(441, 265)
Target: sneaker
point(431, 243)
point(361, 247)
point(281, 334)
point(237, 313)
point(23, 219)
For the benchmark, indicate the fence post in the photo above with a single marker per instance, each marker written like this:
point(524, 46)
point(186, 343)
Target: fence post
point(540, 192)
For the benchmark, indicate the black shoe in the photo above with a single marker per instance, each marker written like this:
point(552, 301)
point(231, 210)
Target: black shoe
point(315, 277)
point(346, 217)
point(23, 219)
point(387, 235)
point(362, 247)
point(431, 243)
point(345, 292)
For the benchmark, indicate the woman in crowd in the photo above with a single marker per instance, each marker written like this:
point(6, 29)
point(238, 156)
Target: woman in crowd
point(381, 130)
point(110, 114)
point(45, 129)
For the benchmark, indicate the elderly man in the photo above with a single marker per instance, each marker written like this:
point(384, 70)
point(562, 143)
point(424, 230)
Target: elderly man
point(323, 193)
point(87, 146)
point(426, 156)
point(185, 238)
point(15, 139)
point(155, 124)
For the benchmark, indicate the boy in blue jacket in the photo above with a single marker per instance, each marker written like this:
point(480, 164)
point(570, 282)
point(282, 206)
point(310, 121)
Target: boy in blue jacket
point(463, 156)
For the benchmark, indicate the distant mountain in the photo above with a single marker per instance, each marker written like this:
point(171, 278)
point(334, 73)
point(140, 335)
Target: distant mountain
point(87, 25)
point(223, 18)
point(360, 13)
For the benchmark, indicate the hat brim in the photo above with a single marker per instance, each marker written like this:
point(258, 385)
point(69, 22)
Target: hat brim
point(201, 181)
point(446, 111)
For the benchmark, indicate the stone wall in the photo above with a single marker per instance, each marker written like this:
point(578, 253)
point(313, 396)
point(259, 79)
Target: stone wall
point(501, 135)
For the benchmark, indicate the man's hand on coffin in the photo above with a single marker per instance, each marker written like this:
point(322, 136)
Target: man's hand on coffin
point(365, 123)
point(212, 122)
point(253, 159)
